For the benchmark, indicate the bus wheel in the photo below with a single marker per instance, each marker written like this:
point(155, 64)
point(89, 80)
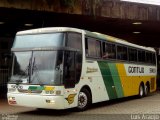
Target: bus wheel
point(84, 100)
point(146, 90)
point(141, 91)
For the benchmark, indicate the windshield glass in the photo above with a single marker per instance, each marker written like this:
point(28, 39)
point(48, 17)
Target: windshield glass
point(38, 67)
point(39, 40)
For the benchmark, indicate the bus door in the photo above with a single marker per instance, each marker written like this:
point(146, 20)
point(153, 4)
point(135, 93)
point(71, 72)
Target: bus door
point(69, 79)
point(69, 69)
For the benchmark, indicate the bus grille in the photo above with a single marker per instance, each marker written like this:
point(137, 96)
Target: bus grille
point(29, 91)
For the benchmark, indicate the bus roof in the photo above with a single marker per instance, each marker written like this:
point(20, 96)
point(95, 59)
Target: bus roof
point(88, 33)
point(49, 30)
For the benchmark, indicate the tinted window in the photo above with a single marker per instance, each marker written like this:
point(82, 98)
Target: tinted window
point(93, 47)
point(132, 54)
point(148, 57)
point(109, 51)
point(78, 61)
point(153, 58)
point(141, 56)
point(74, 40)
point(69, 69)
point(121, 52)
point(39, 40)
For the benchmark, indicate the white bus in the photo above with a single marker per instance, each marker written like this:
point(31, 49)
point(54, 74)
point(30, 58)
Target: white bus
point(60, 68)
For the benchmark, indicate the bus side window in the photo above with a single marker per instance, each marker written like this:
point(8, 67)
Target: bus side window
point(109, 50)
point(74, 40)
point(141, 56)
point(78, 66)
point(121, 52)
point(148, 57)
point(86, 46)
point(105, 53)
point(132, 54)
point(153, 58)
point(93, 47)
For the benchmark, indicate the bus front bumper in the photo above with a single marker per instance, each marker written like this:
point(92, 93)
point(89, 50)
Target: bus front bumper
point(36, 101)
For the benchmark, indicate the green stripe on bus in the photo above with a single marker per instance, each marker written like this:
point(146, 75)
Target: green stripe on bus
point(35, 88)
point(116, 79)
point(108, 81)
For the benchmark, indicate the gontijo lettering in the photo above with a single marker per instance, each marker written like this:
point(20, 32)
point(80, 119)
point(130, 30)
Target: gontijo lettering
point(132, 69)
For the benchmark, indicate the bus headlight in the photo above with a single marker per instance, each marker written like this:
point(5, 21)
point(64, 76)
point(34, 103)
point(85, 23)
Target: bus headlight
point(11, 89)
point(49, 92)
point(11, 98)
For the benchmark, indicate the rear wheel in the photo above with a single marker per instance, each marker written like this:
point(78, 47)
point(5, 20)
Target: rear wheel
point(146, 90)
point(141, 91)
point(84, 100)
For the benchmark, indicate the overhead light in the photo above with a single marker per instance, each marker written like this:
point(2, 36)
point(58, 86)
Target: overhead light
point(153, 2)
point(136, 32)
point(1, 23)
point(136, 23)
point(28, 25)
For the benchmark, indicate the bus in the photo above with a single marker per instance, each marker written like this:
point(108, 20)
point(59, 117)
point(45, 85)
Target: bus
point(63, 67)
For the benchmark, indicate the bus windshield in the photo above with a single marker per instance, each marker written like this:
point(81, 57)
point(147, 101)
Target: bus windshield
point(39, 40)
point(38, 58)
point(37, 67)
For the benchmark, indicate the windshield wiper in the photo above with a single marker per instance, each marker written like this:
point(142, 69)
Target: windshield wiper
point(26, 73)
point(23, 74)
point(36, 70)
point(29, 69)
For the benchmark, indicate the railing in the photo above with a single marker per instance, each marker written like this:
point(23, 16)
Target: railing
point(4, 75)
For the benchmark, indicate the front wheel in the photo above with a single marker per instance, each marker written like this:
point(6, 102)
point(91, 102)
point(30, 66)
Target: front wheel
point(84, 100)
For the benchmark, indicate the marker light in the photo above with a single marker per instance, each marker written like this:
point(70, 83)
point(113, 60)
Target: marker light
point(1, 23)
point(137, 23)
point(136, 32)
point(28, 25)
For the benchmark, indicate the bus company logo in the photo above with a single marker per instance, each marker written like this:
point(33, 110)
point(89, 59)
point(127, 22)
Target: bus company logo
point(70, 98)
point(90, 70)
point(132, 69)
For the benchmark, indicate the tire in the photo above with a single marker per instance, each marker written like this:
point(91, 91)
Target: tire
point(84, 100)
point(146, 90)
point(141, 91)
